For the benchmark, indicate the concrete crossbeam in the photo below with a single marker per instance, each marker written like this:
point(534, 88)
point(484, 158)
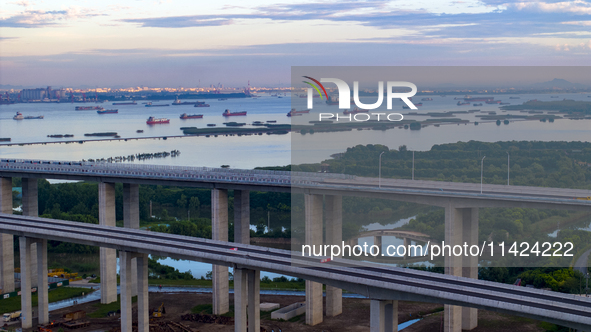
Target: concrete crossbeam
point(108, 257)
point(219, 230)
point(131, 219)
point(313, 221)
point(383, 316)
point(334, 235)
point(6, 240)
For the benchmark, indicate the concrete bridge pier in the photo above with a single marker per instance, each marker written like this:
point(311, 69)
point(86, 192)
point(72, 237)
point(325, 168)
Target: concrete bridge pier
point(219, 230)
point(246, 300)
point(6, 240)
point(27, 268)
point(30, 202)
point(334, 236)
point(384, 316)
point(377, 241)
point(131, 219)
point(461, 225)
point(406, 242)
point(125, 267)
point(108, 257)
point(313, 224)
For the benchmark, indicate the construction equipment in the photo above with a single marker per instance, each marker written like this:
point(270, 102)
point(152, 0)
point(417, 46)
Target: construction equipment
point(588, 198)
point(160, 311)
point(74, 315)
point(44, 329)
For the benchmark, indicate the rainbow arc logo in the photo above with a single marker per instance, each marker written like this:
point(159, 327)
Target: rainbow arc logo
point(315, 87)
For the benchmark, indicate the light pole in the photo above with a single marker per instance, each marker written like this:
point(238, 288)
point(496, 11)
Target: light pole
point(507, 167)
point(380, 171)
point(413, 165)
point(481, 172)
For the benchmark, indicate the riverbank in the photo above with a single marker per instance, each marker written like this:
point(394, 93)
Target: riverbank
point(355, 316)
point(63, 293)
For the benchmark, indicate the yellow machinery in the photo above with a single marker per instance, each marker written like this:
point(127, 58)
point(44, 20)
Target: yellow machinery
point(588, 198)
point(160, 311)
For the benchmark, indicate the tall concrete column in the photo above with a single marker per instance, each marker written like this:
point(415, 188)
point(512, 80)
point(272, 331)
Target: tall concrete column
point(461, 224)
point(26, 305)
point(313, 216)
point(108, 257)
point(242, 216)
point(125, 281)
point(383, 316)
point(334, 236)
point(142, 298)
point(131, 219)
point(377, 241)
point(6, 240)
point(254, 300)
point(406, 242)
point(42, 291)
point(31, 208)
point(219, 230)
point(240, 300)
point(470, 263)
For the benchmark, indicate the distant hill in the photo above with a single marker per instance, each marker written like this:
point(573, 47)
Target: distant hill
point(558, 83)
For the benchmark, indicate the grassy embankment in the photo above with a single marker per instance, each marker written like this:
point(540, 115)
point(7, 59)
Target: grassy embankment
point(59, 294)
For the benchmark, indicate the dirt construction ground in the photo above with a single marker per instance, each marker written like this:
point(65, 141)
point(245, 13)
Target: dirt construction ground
point(355, 316)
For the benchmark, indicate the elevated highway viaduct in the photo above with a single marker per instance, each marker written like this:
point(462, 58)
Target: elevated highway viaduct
point(323, 205)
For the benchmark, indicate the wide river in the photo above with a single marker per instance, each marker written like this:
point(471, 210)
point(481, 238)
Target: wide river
point(252, 151)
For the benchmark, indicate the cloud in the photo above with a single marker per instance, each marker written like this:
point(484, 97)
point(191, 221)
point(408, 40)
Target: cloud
point(578, 7)
point(179, 21)
point(42, 18)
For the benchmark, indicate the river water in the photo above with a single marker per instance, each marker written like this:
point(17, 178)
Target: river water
point(253, 151)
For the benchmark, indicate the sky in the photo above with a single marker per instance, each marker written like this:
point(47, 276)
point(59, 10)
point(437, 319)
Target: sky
point(188, 43)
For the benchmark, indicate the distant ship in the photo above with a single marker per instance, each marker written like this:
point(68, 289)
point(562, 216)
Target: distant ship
point(332, 100)
point(201, 104)
point(126, 103)
point(228, 113)
point(427, 99)
point(34, 117)
point(88, 108)
point(504, 103)
point(220, 99)
point(407, 108)
point(485, 99)
point(514, 97)
point(185, 116)
point(493, 102)
point(462, 103)
point(293, 112)
point(156, 105)
point(479, 104)
point(18, 116)
point(107, 111)
point(153, 120)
